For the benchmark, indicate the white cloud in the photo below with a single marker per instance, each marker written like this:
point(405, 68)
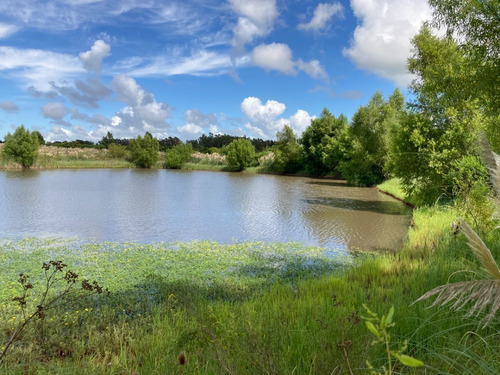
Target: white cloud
point(264, 122)
point(256, 20)
point(312, 68)
point(323, 13)
point(142, 112)
point(190, 130)
point(38, 68)
point(278, 56)
point(274, 56)
point(7, 30)
point(382, 42)
point(298, 122)
point(55, 111)
point(9, 106)
point(176, 62)
point(92, 60)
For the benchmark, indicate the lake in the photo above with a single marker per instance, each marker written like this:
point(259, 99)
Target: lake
point(166, 205)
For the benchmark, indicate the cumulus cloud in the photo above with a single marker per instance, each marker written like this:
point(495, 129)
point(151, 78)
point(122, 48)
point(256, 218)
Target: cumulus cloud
point(55, 111)
point(7, 30)
point(142, 112)
point(274, 56)
point(323, 13)
point(381, 42)
point(197, 122)
point(264, 121)
point(92, 60)
point(278, 56)
point(9, 106)
point(256, 19)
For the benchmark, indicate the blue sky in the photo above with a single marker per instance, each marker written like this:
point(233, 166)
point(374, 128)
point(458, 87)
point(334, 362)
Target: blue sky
point(76, 69)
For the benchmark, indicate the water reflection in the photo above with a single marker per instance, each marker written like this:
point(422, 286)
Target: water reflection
point(161, 205)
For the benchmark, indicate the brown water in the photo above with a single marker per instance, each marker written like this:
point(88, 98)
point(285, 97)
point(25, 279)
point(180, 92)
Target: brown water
point(162, 205)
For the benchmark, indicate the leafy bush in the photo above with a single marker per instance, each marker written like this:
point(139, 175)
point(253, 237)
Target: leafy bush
point(116, 151)
point(240, 154)
point(144, 151)
point(21, 147)
point(178, 155)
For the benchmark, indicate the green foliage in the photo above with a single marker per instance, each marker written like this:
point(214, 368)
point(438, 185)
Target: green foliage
point(144, 151)
point(107, 140)
point(178, 155)
point(117, 151)
point(240, 153)
point(21, 147)
point(319, 141)
point(379, 327)
point(444, 121)
point(41, 141)
point(366, 146)
point(287, 152)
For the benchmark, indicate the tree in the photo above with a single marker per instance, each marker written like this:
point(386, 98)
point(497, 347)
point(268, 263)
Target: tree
point(39, 135)
point(318, 156)
point(21, 147)
point(365, 152)
point(176, 156)
point(443, 122)
point(107, 140)
point(144, 151)
point(240, 154)
point(287, 152)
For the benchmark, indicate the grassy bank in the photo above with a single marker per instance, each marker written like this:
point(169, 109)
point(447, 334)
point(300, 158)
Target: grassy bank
point(248, 308)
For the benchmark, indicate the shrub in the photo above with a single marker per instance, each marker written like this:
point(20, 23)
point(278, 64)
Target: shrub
point(178, 155)
point(144, 151)
point(116, 151)
point(240, 154)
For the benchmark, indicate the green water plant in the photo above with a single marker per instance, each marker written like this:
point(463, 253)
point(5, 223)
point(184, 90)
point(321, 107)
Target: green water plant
point(379, 327)
point(59, 288)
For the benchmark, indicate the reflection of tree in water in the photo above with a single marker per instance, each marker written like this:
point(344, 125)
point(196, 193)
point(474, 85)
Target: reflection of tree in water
point(355, 218)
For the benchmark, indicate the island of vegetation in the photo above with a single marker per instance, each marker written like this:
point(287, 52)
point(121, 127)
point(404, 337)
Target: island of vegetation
point(203, 307)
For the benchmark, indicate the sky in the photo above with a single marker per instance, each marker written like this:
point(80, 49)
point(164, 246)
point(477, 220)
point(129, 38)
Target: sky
point(76, 69)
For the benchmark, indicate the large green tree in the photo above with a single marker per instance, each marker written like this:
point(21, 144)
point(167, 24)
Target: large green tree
point(21, 147)
point(319, 141)
point(444, 121)
point(144, 151)
point(365, 154)
point(240, 153)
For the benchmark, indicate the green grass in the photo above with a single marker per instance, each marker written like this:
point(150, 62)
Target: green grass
point(393, 188)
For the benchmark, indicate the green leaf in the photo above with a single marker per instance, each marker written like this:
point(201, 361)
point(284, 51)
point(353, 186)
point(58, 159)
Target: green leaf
point(372, 329)
point(408, 361)
point(388, 319)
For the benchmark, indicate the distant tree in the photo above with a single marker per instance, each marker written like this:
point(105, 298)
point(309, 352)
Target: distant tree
point(21, 147)
point(169, 142)
point(287, 152)
point(240, 154)
point(107, 140)
point(176, 156)
point(144, 151)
